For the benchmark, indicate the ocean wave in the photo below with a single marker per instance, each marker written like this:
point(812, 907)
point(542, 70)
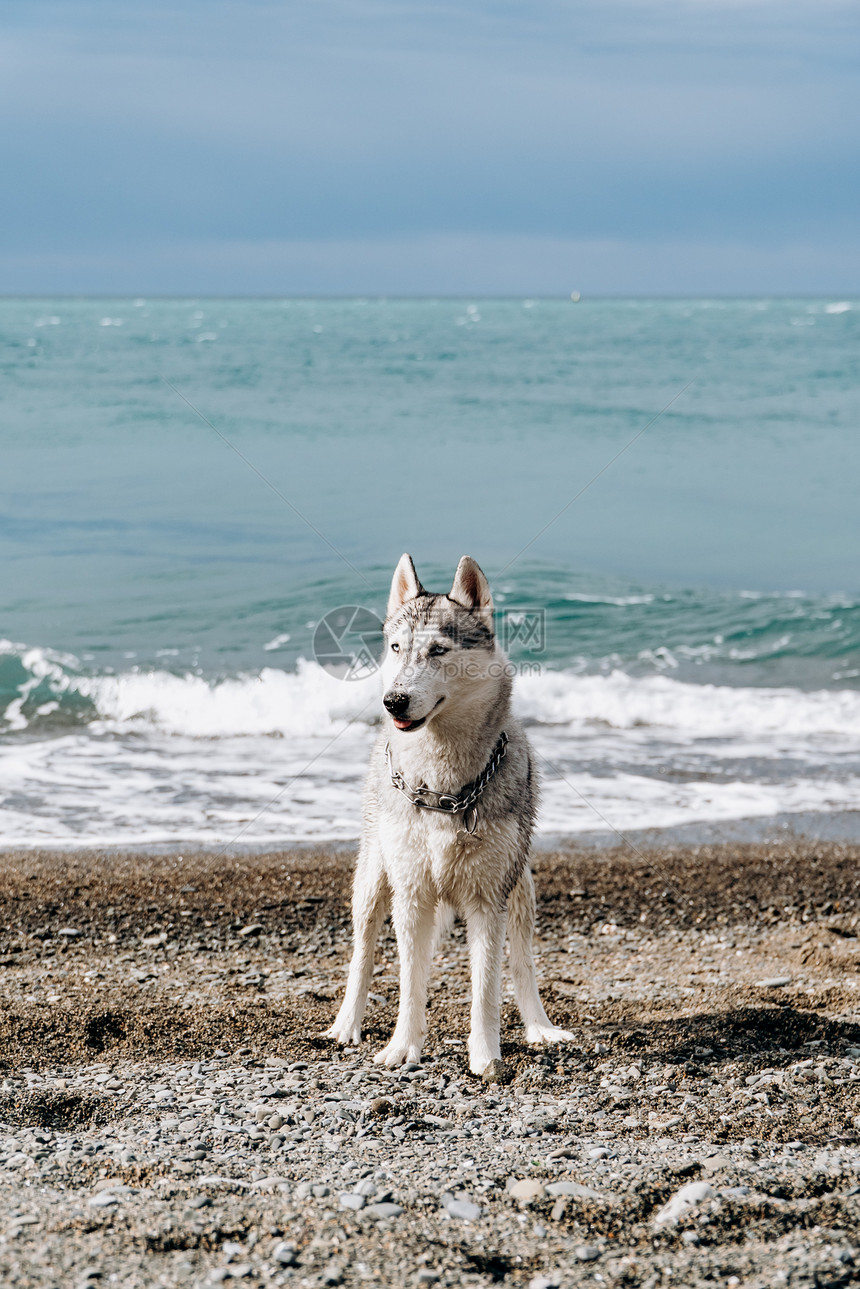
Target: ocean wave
point(272, 702)
point(46, 686)
point(661, 703)
point(306, 702)
point(618, 601)
point(281, 755)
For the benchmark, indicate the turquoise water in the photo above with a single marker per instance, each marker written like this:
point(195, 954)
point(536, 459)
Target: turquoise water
point(156, 584)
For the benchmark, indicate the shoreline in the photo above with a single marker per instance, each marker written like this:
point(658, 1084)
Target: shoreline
point(809, 826)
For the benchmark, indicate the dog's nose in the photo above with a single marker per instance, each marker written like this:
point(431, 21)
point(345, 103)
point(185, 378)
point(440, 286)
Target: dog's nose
point(396, 702)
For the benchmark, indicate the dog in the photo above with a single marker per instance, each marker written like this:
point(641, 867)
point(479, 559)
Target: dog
point(449, 810)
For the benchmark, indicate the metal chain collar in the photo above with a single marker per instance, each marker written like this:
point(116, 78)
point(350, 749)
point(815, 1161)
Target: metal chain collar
point(450, 803)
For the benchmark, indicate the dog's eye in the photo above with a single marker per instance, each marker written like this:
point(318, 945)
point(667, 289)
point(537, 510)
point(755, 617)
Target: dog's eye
point(395, 647)
point(437, 650)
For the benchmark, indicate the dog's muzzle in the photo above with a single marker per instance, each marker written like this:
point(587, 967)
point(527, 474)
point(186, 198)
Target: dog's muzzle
point(396, 702)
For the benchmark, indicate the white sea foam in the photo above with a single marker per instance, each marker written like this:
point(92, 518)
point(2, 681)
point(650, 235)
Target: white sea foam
point(684, 711)
point(310, 701)
point(281, 755)
point(278, 641)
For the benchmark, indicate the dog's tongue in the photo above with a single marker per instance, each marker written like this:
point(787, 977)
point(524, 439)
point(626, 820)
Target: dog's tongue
point(403, 725)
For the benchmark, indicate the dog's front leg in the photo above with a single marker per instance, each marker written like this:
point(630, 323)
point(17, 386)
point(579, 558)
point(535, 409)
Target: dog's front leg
point(414, 925)
point(486, 931)
point(369, 901)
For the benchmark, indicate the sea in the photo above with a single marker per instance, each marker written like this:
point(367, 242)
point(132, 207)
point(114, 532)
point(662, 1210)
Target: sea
point(202, 502)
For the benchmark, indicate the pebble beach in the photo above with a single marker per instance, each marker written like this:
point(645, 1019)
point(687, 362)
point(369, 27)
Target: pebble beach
point(171, 1115)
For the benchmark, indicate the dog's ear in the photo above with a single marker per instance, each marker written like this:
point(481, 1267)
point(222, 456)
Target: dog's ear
point(404, 585)
point(472, 590)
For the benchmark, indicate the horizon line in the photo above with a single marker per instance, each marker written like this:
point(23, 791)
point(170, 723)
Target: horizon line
point(413, 296)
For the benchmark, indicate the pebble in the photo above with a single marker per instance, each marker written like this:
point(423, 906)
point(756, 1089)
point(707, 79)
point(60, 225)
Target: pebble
point(773, 982)
point(526, 1190)
point(497, 1072)
point(273, 1183)
point(715, 1164)
point(573, 1189)
point(284, 1253)
point(223, 1183)
point(587, 1252)
point(462, 1209)
point(351, 1200)
point(682, 1201)
point(379, 1212)
point(104, 1199)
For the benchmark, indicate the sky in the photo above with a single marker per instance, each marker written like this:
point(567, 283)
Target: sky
point(615, 147)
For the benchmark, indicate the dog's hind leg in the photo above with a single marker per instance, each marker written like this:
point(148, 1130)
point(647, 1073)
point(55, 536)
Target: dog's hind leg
point(414, 923)
point(369, 906)
point(521, 925)
point(486, 931)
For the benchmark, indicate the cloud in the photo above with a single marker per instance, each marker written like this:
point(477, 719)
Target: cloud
point(145, 126)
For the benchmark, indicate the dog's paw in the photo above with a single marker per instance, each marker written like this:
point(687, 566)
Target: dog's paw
point(482, 1053)
point(548, 1034)
point(398, 1051)
point(348, 1033)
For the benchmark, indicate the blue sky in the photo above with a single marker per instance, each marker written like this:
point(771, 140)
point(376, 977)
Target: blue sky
point(320, 146)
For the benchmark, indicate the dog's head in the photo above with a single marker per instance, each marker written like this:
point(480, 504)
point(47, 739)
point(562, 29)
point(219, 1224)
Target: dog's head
point(440, 650)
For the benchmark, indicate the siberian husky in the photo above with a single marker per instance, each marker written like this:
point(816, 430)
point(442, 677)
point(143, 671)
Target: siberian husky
point(449, 809)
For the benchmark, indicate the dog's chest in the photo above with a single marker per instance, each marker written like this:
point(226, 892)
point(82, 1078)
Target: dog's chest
point(425, 850)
